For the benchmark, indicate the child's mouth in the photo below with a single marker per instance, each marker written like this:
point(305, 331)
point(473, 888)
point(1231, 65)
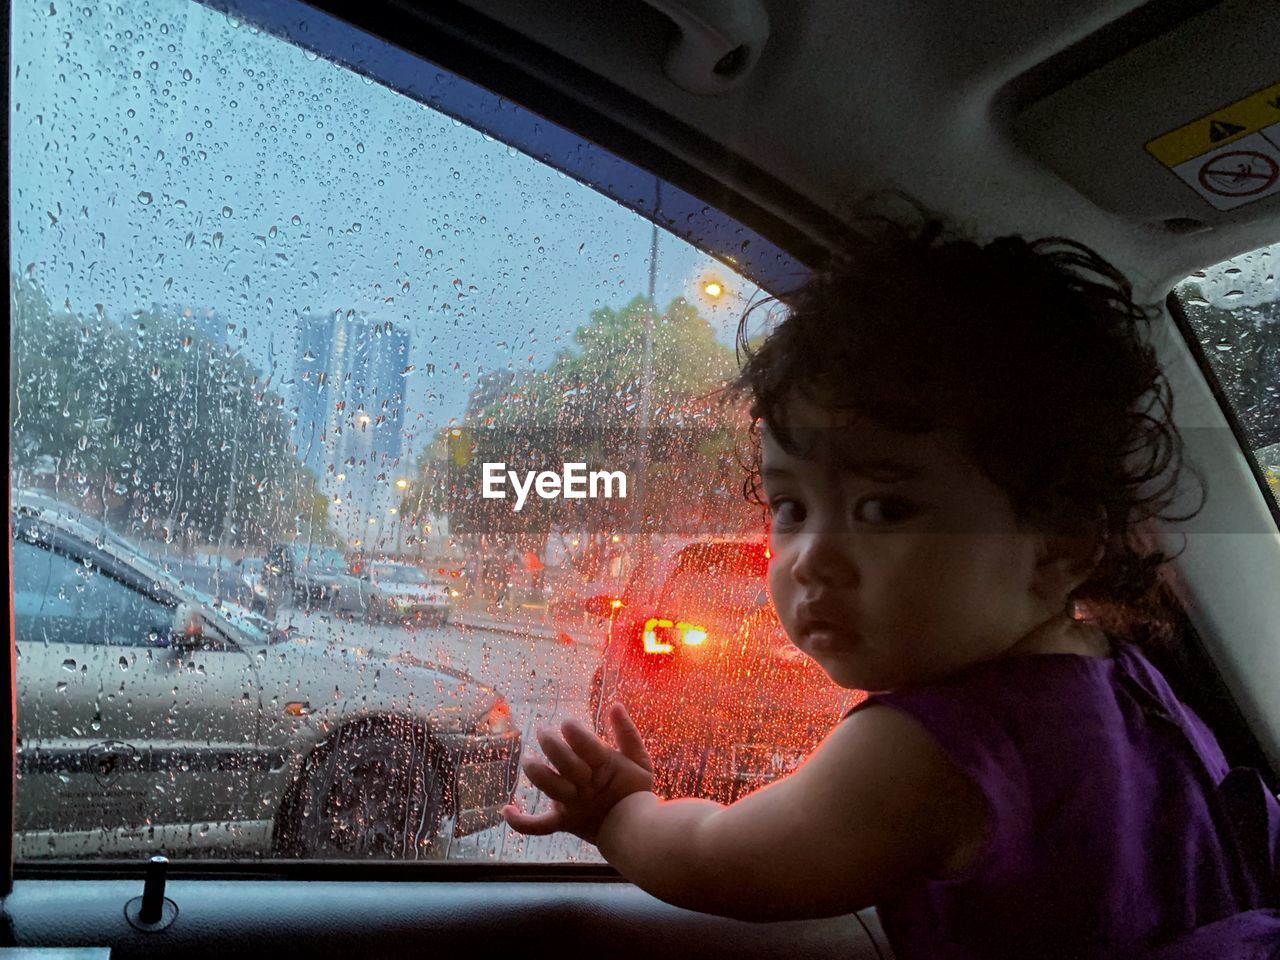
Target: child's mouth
point(821, 638)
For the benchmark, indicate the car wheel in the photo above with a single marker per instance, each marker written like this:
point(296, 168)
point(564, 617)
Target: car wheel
point(374, 792)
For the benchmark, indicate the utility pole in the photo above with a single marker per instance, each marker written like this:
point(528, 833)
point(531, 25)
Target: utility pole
point(646, 382)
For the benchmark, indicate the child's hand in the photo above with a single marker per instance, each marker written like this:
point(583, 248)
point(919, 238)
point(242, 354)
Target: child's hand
point(588, 778)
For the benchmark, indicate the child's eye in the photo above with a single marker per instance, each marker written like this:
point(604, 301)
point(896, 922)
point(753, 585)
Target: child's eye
point(884, 510)
point(785, 513)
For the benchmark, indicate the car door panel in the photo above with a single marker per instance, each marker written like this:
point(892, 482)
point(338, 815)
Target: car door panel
point(340, 919)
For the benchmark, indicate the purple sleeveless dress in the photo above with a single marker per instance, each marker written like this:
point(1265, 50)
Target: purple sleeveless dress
point(1119, 830)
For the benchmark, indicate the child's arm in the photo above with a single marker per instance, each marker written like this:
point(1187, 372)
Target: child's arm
point(876, 804)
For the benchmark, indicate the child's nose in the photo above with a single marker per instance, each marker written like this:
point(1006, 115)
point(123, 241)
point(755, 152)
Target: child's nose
point(824, 558)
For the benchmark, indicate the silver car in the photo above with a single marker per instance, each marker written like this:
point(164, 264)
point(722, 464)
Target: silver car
point(152, 717)
point(402, 591)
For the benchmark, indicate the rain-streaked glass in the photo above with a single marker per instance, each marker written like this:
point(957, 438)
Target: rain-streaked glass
point(269, 319)
point(1234, 309)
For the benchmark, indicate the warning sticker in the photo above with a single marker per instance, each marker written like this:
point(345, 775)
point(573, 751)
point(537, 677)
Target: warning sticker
point(1249, 115)
point(1231, 156)
point(1246, 170)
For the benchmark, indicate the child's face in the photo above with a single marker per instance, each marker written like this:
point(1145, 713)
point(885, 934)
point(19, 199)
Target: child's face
point(894, 560)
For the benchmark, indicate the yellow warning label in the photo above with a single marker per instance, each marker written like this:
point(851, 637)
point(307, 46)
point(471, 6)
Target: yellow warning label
point(1219, 128)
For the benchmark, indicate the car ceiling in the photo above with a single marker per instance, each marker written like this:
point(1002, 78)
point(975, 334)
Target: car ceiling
point(1008, 117)
point(978, 109)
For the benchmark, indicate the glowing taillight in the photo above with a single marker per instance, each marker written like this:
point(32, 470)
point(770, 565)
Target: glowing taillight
point(692, 635)
point(661, 636)
point(651, 642)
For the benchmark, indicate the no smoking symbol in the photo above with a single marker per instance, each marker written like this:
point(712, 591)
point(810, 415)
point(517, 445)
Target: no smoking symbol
point(1240, 173)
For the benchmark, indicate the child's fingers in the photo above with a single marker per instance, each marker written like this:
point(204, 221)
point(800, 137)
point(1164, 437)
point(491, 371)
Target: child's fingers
point(549, 782)
point(535, 825)
point(572, 767)
point(590, 748)
point(630, 743)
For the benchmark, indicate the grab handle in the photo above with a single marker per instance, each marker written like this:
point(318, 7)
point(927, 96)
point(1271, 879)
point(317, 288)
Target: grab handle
point(719, 42)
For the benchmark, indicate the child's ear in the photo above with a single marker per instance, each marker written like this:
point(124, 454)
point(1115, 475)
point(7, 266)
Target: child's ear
point(1066, 555)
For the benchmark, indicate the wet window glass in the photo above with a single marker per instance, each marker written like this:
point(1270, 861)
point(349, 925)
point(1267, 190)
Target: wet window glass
point(1234, 309)
point(415, 418)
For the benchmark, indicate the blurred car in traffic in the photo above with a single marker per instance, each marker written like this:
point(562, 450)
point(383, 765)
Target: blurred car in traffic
point(405, 592)
point(309, 575)
point(220, 734)
point(695, 651)
point(251, 587)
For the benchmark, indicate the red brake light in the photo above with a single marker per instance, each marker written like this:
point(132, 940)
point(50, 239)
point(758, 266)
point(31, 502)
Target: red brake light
point(661, 636)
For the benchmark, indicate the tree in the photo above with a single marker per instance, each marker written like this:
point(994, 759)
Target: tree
point(585, 407)
point(162, 426)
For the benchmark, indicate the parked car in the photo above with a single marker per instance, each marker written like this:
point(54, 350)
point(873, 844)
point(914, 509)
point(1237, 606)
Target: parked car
point(284, 745)
point(725, 702)
point(310, 575)
point(404, 592)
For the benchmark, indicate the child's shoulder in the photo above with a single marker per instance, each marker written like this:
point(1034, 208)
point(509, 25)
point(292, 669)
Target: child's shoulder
point(918, 779)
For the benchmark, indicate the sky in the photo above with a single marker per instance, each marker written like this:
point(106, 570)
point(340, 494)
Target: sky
point(163, 154)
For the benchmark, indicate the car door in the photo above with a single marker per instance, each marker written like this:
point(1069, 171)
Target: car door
point(122, 731)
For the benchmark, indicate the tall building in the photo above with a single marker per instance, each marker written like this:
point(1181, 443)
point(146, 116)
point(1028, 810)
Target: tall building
point(349, 382)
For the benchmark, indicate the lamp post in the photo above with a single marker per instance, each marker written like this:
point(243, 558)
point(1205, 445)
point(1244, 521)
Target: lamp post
point(646, 379)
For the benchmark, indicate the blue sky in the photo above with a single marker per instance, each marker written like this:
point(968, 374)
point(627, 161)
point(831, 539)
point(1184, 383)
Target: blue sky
point(164, 154)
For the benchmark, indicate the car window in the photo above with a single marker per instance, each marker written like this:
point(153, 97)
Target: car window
point(327, 559)
point(60, 600)
point(1234, 310)
point(727, 578)
point(398, 571)
point(268, 304)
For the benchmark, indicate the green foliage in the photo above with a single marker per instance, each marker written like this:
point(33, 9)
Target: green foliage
point(167, 428)
point(586, 406)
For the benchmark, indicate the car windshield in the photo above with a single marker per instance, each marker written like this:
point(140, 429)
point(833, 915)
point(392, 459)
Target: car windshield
point(267, 304)
point(399, 572)
point(719, 580)
point(328, 560)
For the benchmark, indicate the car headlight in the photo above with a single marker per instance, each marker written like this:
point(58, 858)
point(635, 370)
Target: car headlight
point(496, 721)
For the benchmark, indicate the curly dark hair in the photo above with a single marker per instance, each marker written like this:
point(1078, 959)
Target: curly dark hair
point(1033, 350)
